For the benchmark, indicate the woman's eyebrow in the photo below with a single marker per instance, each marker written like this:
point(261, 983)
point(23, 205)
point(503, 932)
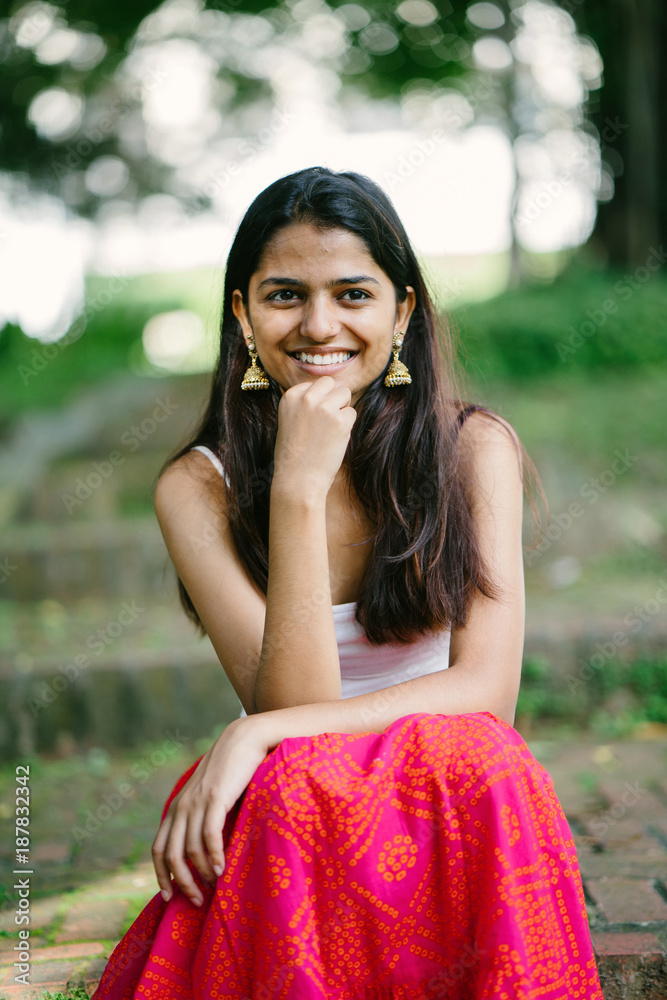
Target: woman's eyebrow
point(295, 283)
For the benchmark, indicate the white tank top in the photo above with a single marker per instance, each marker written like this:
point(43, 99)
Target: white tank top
point(364, 667)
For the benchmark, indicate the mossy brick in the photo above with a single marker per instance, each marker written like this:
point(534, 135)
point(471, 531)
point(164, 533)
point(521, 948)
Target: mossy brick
point(94, 921)
point(624, 900)
point(632, 966)
point(632, 943)
point(42, 913)
point(91, 974)
point(636, 796)
point(55, 972)
point(645, 761)
point(58, 952)
point(20, 992)
point(620, 864)
point(125, 884)
point(624, 832)
point(51, 852)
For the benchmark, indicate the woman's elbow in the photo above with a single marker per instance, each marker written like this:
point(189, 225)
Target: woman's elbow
point(504, 703)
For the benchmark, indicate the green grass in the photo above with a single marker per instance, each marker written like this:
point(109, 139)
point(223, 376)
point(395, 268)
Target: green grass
point(73, 993)
point(610, 697)
point(578, 426)
point(587, 320)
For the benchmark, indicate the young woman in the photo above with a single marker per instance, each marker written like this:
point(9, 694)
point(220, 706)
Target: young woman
point(348, 534)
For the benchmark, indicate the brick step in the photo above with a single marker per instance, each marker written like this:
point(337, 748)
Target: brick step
point(632, 965)
point(55, 969)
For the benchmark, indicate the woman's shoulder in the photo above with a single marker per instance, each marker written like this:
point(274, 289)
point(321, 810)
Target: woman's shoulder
point(477, 424)
point(491, 443)
point(182, 481)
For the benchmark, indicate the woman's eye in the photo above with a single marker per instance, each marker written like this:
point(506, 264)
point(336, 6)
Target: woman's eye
point(288, 295)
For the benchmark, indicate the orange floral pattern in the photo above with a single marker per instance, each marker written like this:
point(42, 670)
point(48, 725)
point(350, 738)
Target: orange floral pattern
point(429, 861)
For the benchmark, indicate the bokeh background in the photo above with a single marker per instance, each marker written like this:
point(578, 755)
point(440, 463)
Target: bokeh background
point(522, 143)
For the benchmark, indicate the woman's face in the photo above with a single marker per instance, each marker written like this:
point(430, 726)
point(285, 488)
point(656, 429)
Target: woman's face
point(320, 293)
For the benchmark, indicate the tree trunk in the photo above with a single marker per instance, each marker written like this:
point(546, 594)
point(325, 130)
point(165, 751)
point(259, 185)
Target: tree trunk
point(631, 124)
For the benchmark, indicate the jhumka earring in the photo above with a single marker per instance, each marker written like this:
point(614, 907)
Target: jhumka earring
point(255, 377)
point(397, 373)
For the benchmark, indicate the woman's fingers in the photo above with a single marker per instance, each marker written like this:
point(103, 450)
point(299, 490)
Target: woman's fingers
point(181, 837)
point(214, 822)
point(196, 849)
point(168, 857)
point(190, 838)
point(157, 850)
point(175, 859)
point(325, 390)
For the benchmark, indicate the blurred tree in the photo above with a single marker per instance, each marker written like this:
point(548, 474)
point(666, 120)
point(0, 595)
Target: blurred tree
point(630, 117)
point(74, 86)
point(124, 100)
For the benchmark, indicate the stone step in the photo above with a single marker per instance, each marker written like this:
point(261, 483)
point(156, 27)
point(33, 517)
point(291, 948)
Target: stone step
point(632, 965)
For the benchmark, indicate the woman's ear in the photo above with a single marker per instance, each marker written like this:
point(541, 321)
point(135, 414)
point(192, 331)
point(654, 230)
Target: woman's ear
point(241, 313)
point(405, 309)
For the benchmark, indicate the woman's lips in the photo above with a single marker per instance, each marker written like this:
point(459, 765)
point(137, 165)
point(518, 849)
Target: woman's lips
point(322, 368)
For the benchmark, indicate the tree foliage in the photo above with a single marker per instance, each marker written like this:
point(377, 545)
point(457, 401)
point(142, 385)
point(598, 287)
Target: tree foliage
point(79, 78)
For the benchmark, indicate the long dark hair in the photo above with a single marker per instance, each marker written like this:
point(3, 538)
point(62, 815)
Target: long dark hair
point(403, 460)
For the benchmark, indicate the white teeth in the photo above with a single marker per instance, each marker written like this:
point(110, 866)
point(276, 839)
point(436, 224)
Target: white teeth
point(324, 359)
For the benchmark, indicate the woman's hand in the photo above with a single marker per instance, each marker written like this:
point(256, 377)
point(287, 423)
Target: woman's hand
point(196, 817)
point(315, 420)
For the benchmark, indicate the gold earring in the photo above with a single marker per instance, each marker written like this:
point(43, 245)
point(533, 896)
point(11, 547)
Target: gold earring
point(255, 377)
point(397, 373)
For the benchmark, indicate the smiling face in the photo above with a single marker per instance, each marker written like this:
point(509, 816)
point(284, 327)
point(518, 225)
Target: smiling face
point(315, 295)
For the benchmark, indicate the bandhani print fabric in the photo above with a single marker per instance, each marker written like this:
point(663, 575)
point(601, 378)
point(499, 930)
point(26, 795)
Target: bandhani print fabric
point(431, 861)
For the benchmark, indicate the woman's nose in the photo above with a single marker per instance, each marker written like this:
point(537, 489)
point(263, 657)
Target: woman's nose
point(319, 318)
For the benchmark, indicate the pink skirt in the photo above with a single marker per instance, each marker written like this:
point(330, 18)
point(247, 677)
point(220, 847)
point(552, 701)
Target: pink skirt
point(430, 861)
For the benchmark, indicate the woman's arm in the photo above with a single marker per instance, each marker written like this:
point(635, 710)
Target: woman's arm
point(285, 641)
point(485, 656)
point(299, 658)
point(280, 650)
